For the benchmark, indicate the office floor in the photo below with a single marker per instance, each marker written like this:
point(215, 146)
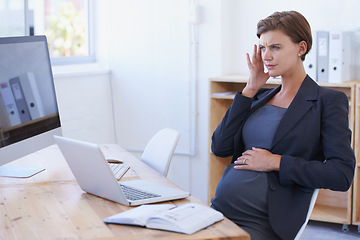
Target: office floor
point(329, 231)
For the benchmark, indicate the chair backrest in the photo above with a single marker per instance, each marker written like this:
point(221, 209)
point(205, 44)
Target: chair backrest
point(311, 207)
point(160, 149)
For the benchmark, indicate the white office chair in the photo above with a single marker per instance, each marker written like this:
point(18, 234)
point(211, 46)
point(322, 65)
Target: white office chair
point(160, 149)
point(311, 207)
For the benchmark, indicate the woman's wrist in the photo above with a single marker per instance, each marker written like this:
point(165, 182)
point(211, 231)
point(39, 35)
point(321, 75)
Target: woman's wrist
point(248, 92)
point(276, 162)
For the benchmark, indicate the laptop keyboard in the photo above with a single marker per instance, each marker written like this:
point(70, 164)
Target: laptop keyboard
point(118, 169)
point(136, 194)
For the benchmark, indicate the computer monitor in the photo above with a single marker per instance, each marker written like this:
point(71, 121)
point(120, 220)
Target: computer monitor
point(29, 115)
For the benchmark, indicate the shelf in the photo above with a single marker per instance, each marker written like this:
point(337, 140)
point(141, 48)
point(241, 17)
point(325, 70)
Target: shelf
point(330, 214)
point(231, 78)
point(244, 79)
point(356, 189)
point(240, 79)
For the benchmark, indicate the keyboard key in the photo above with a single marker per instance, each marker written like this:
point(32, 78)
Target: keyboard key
point(136, 194)
point(118, 169)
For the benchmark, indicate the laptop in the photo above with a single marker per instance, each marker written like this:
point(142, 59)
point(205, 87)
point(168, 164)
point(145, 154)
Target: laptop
point(94, 176)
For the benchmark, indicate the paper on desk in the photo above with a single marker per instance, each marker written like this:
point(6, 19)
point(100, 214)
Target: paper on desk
point(19, 171)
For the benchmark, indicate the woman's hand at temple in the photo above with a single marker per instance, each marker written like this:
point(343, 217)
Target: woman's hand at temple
point(257, 77)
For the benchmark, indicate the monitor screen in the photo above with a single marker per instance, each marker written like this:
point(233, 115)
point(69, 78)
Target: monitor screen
point(29, 115)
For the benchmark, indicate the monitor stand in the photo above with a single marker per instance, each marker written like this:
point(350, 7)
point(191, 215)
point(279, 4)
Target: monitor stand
point(19, 171)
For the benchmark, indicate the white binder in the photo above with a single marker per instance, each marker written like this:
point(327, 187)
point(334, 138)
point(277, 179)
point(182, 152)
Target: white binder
point(340, 56)
point(355, 65)
point(4, 120)
point(11, 118)
point(32, 95)
point(310, 60)
point(19, 99)
point(322, 45)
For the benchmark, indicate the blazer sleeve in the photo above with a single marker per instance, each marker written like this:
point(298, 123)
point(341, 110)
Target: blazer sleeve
point(223, 137)
point(337, 171)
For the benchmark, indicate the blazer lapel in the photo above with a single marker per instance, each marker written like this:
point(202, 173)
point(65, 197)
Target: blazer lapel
point(262, 100)
point(301, 104)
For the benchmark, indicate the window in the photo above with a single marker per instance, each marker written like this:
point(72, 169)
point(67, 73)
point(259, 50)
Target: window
point(64, 22)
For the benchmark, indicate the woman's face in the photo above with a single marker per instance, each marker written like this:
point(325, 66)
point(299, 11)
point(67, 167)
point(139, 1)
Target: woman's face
point(279, 53)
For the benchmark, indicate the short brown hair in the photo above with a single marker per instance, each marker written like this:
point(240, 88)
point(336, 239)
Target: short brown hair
point(291, 23)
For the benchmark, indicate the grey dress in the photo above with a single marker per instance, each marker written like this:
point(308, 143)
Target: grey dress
point(241, 195)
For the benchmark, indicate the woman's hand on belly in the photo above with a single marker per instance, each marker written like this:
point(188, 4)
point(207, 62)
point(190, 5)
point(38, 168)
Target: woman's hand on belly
point(258, 159)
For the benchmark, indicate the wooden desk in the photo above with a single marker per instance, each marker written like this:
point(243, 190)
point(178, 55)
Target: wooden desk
point(51, 205)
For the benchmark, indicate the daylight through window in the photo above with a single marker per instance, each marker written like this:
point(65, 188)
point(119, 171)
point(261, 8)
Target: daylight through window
point(64, 22)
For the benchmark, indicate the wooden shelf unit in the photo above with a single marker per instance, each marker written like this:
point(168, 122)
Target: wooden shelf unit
point(356, 184)
point(331, 206)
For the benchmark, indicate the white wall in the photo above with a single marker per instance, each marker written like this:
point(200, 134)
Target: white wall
point(210, 59)
point(150, 70)
point(85, 106)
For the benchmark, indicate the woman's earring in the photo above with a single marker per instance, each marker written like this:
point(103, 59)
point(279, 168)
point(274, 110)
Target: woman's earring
point(299, 54)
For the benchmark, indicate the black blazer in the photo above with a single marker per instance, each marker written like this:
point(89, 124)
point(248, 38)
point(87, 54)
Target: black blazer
point(314, 141)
